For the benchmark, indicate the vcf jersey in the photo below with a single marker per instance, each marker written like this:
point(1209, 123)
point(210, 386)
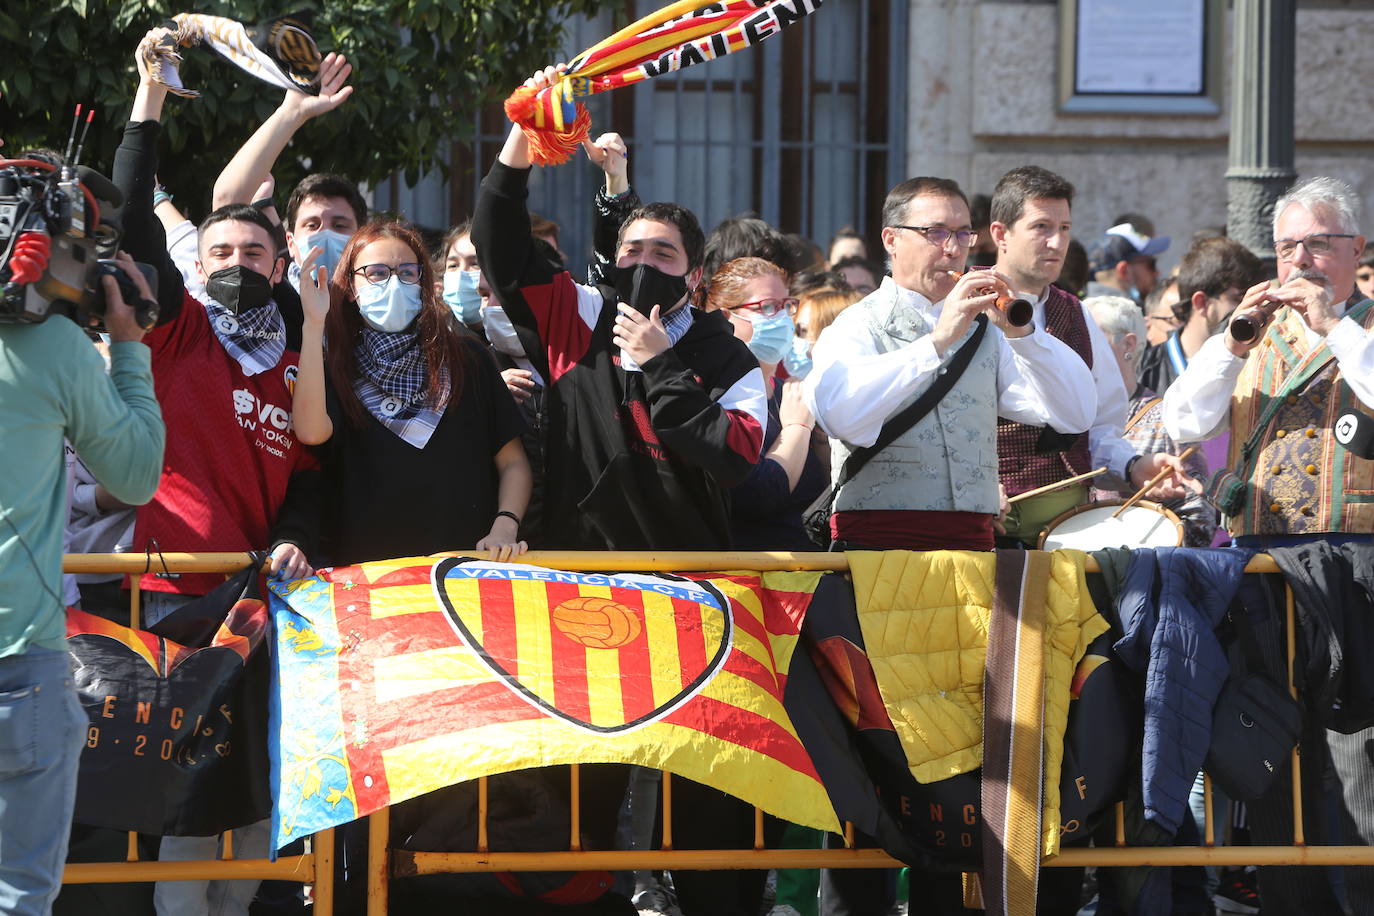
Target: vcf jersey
point(231, 449)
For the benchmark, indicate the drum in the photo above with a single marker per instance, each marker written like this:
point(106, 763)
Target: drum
point(1091, 527)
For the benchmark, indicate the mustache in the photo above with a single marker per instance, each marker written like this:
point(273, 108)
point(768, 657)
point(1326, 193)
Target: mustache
point(1311, 274)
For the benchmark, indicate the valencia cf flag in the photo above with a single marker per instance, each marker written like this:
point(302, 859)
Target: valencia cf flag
point(401, 677)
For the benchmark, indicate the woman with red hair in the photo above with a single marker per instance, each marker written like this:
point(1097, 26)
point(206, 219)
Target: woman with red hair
point(766, 508)
point(420, 440)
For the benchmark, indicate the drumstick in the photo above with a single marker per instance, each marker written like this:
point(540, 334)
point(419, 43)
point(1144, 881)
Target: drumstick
point(1055, 486)
point(1165, 472)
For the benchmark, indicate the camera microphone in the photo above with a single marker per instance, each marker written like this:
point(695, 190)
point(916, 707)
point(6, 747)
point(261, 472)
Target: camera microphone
point(100, 187)
point(1355, 431)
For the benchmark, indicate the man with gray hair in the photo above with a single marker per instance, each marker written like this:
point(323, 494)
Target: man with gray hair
point(1291, 484)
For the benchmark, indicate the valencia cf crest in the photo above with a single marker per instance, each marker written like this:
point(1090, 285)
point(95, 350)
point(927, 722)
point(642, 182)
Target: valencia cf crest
point(607, 652)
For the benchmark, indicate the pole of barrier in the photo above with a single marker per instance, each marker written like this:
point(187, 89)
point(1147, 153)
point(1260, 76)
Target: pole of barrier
point(322, 859)
point(482, 838)
point(228, 853)
point(666, 791)
point(131, 852)
point(1208, 831)
point(378, 862)
point(849, 842)
point(286, 868)
point(1120, 824)
point(439, 863)
point(135, 599)
point(585, 560)
point(758, 827)
point(1290, 626)
point(575, 808)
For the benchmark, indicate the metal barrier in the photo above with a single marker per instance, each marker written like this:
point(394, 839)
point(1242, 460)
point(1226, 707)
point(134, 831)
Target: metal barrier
point(385, 862)
point(315, 867)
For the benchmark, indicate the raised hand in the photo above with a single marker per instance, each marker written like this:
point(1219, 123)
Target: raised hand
point(334, 73)
point(610, 154)
point(314, 288)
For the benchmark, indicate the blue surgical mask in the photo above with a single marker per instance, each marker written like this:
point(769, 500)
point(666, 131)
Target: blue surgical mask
point(390, 306)
point(333, 244)
point(461, 295)
point(772, 337)
point(797, 360)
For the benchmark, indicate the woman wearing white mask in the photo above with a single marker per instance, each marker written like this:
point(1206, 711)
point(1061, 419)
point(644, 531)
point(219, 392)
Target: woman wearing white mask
point(423, 445)
point(766, 509)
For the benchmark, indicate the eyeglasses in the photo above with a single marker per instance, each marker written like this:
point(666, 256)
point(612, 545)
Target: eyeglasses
point(939, 235)
point(1315, 244)
point(1167, 319)
point(767, 308)
point(377, 274)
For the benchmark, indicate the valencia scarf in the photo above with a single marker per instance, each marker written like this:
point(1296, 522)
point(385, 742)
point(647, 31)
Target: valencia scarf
point(679, 35)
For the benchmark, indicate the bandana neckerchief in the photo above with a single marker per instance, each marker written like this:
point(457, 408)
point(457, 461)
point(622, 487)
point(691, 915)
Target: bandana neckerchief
point(393, 374)
point(255, 339)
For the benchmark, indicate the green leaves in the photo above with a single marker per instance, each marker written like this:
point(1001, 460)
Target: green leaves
point(422, 69)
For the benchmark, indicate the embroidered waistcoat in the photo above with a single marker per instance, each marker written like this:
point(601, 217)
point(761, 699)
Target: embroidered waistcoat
point(948, 460)
point(1301, 480)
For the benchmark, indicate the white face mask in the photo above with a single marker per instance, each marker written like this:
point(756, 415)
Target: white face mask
point(501, 332)
point(390, 306)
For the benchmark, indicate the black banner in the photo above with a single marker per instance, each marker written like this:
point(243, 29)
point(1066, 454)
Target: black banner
point(177, 742)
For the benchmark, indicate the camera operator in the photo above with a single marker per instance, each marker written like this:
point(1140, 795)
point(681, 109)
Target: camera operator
point(53, 384)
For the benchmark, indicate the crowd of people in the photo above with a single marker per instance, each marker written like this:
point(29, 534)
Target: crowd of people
point(335, 387)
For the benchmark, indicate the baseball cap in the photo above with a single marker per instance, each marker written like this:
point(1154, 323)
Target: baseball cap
point(1121, 243)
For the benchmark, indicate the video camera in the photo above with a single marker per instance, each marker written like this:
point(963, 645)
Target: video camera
point(53, 213)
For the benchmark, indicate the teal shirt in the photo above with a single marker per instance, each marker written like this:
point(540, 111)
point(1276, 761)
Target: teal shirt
point(53, 385)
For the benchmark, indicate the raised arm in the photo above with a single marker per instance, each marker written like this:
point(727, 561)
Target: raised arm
point(253, 163)
point(614, 201)
point(308, 412)
point(135, 174)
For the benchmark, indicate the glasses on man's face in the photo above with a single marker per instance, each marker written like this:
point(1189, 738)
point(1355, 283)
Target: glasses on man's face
point(940, 236)
point(1166, 319)
point(1316, 245)
point(766, 308)
point(377, 274)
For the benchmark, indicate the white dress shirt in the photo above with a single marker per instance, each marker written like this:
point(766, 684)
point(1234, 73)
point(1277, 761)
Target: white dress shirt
point(1105, 441)
point(853, 388)
point(1198, 404)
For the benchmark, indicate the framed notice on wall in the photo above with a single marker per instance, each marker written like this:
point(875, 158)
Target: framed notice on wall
point(1124, 56)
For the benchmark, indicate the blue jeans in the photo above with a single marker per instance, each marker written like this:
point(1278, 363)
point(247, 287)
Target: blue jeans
point(42, 730)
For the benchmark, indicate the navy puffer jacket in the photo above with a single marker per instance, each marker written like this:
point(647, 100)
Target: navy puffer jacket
point(1170, 604)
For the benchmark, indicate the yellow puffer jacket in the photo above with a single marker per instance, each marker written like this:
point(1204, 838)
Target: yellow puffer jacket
point(924, 617)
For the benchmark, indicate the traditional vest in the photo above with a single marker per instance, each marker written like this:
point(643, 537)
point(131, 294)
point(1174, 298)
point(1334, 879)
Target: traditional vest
point(1301, 480)
point(1021, 467)
point(948, 460)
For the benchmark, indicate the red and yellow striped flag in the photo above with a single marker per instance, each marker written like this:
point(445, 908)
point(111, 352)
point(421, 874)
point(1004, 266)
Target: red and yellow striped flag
point(398, 678)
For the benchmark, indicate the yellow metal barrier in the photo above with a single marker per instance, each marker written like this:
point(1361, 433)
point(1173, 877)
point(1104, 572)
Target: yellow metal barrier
point(315, 867)
point(385, 862)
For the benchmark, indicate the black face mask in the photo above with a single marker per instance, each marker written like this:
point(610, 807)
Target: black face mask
point(239, 289)
point(642, 287)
